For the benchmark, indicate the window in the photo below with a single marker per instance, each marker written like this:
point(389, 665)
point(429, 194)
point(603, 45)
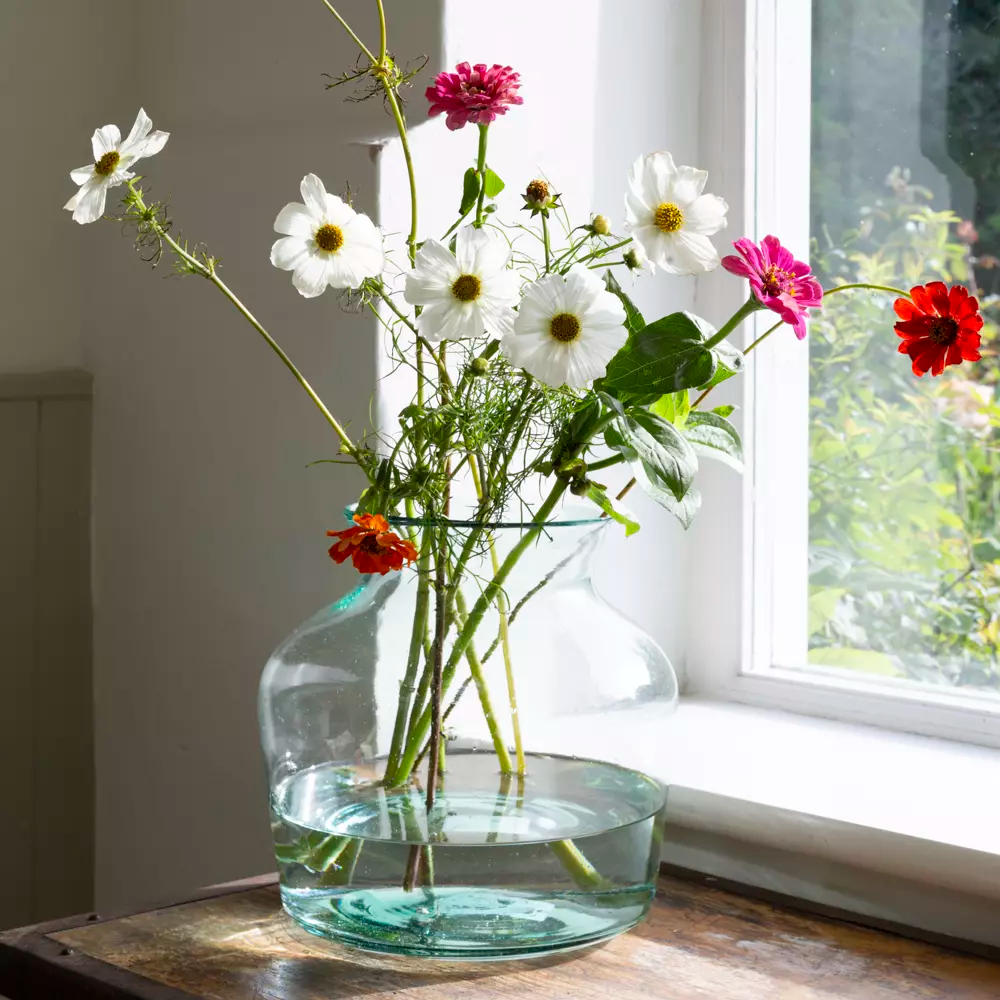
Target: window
point(871, 538)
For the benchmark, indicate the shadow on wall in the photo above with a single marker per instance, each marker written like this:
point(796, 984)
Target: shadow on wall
point(208, 527)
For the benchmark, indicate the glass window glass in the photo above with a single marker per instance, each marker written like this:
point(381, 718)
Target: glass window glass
point(905, 471)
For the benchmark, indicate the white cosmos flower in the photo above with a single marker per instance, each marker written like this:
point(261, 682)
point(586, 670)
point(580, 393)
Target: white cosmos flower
point(326, 243)
point(112, 159)
point(568, 328)
point(466, 293)
point(670, 218)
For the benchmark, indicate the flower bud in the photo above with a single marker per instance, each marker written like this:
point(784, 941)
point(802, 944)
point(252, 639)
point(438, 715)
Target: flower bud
point(579, 487)
point(479, 366)
point(635, 258)
point(600, 226)
point(537, 193)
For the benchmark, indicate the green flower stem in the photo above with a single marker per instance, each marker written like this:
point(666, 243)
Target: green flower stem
point(455, 225)
point(485, 599)
point(546, 242)
point(437, 686)
point(381, 31)
point(476, 669)
point(574, 861)
point(357, 41)
point(502, 611)
point(567, 254)
point(416, 648)
point(484, 131)
point(603, 251)
point(605, 463)
point(397, 114)
point(209, 272)
point(752, 305)
point(872, 288)
point(767, 333)
point(387, 298)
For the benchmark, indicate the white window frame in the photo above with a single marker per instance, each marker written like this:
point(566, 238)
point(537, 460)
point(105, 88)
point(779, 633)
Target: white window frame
point(748, 577)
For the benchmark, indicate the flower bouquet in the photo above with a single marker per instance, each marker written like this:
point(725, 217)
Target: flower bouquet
point(428, 737)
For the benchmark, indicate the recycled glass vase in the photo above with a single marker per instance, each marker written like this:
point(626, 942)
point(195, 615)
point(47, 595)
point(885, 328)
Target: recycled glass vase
point(526, 845)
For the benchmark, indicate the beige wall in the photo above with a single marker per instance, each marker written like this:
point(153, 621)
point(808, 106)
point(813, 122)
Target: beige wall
point(208, 526)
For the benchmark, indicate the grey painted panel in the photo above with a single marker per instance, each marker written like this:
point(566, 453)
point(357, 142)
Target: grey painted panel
point(18, 522)
point(63, 728)
point(69, 382)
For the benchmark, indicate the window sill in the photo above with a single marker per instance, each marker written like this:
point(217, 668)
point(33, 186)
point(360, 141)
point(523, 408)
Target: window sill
point(887, 825)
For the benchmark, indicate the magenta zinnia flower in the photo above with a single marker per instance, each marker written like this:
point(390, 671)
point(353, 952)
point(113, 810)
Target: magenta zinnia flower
point(475, 94)
point(779, 281)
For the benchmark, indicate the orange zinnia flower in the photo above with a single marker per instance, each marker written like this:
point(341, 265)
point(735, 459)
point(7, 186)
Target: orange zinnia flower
point(371, 546)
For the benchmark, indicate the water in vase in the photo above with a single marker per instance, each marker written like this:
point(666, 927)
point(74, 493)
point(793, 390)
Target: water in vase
point(501, 867)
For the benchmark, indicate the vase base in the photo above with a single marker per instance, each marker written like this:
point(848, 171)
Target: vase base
point(463, 923)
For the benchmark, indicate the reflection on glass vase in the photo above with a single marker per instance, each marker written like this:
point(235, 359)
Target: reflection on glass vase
point(502, 838)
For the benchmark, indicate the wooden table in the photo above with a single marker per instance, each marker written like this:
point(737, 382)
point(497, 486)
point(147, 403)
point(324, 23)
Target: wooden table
point(700, 943)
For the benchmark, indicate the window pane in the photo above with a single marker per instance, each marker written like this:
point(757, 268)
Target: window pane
point(905, 471)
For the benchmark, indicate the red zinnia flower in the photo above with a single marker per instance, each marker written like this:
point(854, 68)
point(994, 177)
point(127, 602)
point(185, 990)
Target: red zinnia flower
point(371, 546)
point(779, 281)
point(475, 94)
point(939, 327)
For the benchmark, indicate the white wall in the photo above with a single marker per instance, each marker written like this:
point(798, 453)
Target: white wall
point(588, 112)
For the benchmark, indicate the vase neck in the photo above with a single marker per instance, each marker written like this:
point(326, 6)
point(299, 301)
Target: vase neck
point(558, 553)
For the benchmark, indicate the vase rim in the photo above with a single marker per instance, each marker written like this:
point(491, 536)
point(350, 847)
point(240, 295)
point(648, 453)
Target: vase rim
point(573, 514)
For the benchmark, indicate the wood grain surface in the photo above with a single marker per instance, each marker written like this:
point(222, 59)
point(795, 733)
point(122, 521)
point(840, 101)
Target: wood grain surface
point(699, 944)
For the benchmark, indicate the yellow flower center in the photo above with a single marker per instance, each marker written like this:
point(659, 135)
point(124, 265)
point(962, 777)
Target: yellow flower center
point(466, 288)
point(329, 238)
point(668, 218)
point(107, 163)
point(565, 327)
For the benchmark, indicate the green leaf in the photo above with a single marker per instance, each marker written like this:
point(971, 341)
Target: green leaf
point(684, 510)
point(665, 356)
point(668, 459)
point(674, 406)
point(987, 550)
point(633, 318)
point(822, 607)
point(470, 191)
point(603, 501)
point(616, 439)
point(715, 437)
point(866, 660)
point(492, 183)
point(724, 411)
point(729, 362)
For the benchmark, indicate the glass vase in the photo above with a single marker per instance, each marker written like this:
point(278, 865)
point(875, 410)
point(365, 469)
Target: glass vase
point(501, 836)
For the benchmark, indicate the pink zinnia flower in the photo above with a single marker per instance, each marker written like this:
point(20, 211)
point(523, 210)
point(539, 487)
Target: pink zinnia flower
point(780, 282)
point(475, 94)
